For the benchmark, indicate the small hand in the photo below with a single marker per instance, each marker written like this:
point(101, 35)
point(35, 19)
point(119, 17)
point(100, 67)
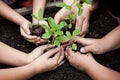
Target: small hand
point(96, 46)
point(82, 21)
point(78, 60)
point(49, 60)
point(25, 32)
point(37, 52)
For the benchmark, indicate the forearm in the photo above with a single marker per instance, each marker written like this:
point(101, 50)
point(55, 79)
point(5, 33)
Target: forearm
point(98, 72)
point(113, 38)
point(11, 56)
point(10, 14)
point(37, 4)
point(18, 73)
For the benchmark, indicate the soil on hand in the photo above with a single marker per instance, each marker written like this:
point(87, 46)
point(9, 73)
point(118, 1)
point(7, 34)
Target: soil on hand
point(37, 30)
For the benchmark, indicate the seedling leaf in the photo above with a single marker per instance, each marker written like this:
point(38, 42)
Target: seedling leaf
point(51, 22)
point(61, 25)
point(34, 16)
point(76, 32)
point(40, 13)
point(68, 34)
point(87, 1)
point(74, 46)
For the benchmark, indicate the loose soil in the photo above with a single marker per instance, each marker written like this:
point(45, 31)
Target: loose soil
point(100, 24)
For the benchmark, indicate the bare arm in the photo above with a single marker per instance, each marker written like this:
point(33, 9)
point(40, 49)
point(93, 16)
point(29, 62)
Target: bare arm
point(42, 64)
point(98, 72)
point(37, 4)
point(12, 56)
point(10, 14)
point(18, 73)
point(113, 38)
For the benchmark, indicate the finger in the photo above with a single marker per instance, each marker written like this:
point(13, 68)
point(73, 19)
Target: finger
point(26, 29)
point(52, 52)
point(67, 55)
point(86, 49)
point(27, 36)
point(85, 27)
point(62, 55)
point(83, 41)
point(79, 22)
point(69, 51)
point(57, 18)
point(44, 47)
point(61, 63)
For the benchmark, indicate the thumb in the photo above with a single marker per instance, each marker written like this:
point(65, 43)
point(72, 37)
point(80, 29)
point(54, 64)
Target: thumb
point(83, 41)
point(86, 49)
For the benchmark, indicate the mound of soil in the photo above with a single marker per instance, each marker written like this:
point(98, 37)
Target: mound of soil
point(100, 24)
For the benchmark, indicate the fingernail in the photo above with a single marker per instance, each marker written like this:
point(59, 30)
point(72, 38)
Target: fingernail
point(82, 50)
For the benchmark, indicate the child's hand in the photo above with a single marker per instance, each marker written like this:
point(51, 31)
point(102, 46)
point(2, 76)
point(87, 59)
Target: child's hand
point(96, 46)
point(79, 61)
point(60, 15)
point(37, 52)
point(49, 60)
point(25, 32)
point(82, 21)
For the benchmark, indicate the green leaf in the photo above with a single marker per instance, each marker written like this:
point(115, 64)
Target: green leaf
point(51, 22)
point(61, 25)
point(46, 35)
point(68, 34)
point(73, 16)
point(40, 13)
point(80, 10)
point(56, 42)
point(62, 38)
point(58, 32)
point(34, 16)
point(62, 4)
point(31, 24)
point(74, 46)
point(45, 26)
point(87, 1)
point(76, 32)
point(70, 26)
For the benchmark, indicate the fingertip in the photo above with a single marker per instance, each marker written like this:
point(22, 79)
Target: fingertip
point(82, 50)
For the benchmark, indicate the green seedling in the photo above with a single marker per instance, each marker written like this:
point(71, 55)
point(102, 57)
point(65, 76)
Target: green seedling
point(39, 17)
point(54, 31)
point(72, 17)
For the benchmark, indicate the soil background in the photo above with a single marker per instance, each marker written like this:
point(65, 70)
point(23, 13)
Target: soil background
point(100, 24)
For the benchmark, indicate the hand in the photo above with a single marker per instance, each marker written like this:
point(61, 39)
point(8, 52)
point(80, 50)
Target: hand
point(96, 46)
point(49, 60)
point(79, 61)
point(25, 32)
point(60, 15)
point(37, 52)
point(82, 21)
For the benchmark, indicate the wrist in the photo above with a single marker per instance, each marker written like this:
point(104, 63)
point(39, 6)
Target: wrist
point(23, 22)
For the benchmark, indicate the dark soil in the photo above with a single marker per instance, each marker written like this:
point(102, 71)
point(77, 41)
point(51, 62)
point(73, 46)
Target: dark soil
point(37, 30)
point(100, 24)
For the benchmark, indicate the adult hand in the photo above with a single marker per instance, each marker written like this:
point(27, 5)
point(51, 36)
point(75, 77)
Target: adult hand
point(79, 61)
point(49, 60)
point(96, 46)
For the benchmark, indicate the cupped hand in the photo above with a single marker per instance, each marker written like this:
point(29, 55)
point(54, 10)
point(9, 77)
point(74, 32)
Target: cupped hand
point(96, 46)
point(49, 60)
point(79, 61)
point(25, 32)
